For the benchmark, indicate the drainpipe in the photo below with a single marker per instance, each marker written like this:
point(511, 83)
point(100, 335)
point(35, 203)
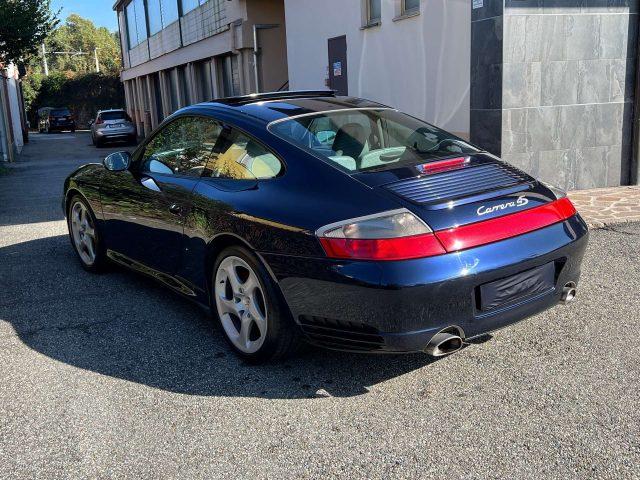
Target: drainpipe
point(256, 49)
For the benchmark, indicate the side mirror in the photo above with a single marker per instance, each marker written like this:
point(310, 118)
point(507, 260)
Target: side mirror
point(117, 162)
point(91, 123)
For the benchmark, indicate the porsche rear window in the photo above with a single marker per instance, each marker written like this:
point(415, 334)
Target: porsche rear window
point(60, 113)
point(372, 139)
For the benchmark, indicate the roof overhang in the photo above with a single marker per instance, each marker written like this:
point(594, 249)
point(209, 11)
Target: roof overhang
point(118, 3)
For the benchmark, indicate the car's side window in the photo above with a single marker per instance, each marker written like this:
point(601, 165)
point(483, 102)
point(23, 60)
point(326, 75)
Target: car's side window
point(183, 147)
point(160, 154)
point(239, 157)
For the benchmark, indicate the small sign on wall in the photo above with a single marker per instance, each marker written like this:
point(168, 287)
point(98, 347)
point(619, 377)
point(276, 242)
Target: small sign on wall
point(478, 4)
point(337, 69)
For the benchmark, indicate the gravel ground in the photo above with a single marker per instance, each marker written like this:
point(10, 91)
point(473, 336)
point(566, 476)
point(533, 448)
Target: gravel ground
point(112, 376)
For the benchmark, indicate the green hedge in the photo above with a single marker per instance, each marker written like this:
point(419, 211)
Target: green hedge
point(84, 94)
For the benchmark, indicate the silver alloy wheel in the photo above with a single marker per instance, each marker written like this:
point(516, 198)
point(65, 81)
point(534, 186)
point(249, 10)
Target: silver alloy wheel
point(83, 232)
point(241, 304)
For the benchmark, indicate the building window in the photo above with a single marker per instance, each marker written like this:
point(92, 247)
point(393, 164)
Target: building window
point(169, 12)
point(374, 12)
point(132, 35)
point(188, 5)
point(141, 20)
point(136, 23)
point(162, 13)
point(410, 6)
point(155, 16)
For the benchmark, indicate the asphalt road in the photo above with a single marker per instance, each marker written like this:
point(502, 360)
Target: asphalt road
point(112, 376)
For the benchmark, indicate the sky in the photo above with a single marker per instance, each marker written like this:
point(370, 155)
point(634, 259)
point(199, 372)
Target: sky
point(99, 12)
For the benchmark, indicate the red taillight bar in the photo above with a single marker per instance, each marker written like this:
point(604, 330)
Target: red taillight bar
point(451, 240)
point(402, 248)
point(488, 231)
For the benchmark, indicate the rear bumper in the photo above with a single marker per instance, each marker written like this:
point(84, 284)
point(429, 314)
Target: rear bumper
point(115, 133)
point(63, 126)
point(399, 306)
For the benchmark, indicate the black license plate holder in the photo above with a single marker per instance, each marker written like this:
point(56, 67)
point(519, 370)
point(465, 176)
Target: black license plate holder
point(513, 289)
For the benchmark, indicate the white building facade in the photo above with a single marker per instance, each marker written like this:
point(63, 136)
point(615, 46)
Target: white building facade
point(413, 55)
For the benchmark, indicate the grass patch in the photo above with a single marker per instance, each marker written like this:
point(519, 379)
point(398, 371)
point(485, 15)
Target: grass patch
point(3, 170)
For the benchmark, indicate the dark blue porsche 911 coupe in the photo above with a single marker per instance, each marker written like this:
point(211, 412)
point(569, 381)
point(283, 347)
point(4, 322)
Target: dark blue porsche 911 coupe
point(307, 216)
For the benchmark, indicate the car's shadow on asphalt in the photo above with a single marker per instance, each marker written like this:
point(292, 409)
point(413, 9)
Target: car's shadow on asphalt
point(128, 327)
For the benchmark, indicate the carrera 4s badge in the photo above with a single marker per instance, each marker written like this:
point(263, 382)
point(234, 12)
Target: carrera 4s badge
point(520, 202)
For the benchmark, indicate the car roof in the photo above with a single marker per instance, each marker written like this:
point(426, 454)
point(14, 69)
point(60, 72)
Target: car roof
point(112, 110)
point(272, 106)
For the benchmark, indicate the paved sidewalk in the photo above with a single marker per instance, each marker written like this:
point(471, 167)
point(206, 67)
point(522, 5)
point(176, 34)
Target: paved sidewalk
point(608, 206)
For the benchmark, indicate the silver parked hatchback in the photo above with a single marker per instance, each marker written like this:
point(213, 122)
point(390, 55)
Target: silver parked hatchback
point(113, 125)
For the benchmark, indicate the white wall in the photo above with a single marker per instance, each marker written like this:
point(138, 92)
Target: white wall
point(15, 105)
point(420, 65)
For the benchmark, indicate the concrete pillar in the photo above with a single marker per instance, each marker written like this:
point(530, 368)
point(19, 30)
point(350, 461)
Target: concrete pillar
point(213, 65)
point(128, 100)
point(180, 91)
point(151, 96)
point(192, 84)
point(142, 130)
point(165, 94)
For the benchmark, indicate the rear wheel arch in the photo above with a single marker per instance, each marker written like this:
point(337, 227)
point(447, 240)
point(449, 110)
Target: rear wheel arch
point(218, 244)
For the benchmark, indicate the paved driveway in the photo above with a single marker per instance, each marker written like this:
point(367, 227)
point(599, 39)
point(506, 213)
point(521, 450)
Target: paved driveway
point(112, 376)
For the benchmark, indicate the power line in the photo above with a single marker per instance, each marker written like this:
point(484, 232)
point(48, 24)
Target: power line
point(73, 54)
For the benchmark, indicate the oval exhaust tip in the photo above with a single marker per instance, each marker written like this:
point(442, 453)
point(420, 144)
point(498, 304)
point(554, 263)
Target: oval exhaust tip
point(568, 293)
point(442, 344)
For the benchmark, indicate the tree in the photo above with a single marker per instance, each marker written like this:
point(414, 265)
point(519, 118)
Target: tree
point(73, 81)
point(78, 34)
point(24, 25)
point(83, 93)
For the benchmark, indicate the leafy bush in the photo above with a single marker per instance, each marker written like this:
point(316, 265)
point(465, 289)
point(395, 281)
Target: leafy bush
point(84, 94)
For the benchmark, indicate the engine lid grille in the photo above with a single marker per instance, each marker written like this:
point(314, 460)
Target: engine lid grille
point(459, 183)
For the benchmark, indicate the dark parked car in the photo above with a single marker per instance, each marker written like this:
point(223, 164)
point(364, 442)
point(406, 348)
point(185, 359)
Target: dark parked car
point(302, 215)
point(56, 119)
point(112, 125)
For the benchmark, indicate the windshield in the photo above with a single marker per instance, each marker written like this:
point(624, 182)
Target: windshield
point(61, 112)
point(365, 140)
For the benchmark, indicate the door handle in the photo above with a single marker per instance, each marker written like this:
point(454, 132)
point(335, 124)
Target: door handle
point(175, 209)
point(150, 183)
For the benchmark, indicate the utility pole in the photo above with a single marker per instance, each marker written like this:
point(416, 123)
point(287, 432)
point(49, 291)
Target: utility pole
point(95, 56)
point(44, 60)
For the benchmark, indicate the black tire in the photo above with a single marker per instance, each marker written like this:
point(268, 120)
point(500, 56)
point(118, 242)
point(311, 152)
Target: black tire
point(283, 336)
point(100, 262)
point(98, 143)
